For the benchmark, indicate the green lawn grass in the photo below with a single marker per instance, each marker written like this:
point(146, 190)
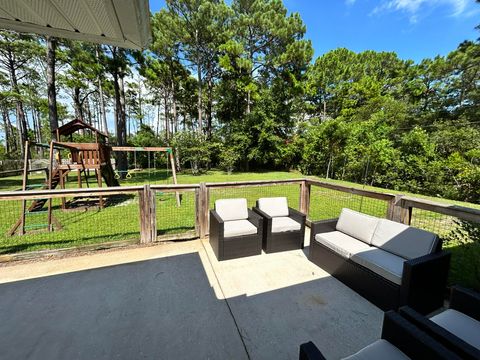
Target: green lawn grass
point(119, 220)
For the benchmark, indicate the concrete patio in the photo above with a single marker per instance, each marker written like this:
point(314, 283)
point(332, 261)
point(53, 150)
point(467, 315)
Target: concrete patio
point(176, 301)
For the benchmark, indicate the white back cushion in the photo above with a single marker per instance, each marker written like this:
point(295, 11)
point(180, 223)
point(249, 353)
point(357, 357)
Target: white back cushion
point(403, 240)
point(232, 209)
point(274, 206)
point(358, 225)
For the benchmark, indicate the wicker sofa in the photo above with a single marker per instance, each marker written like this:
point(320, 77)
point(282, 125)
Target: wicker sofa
point(283, 227)
point(388, 263)
point(235, 230)
point(458, 327)
point(400, 340)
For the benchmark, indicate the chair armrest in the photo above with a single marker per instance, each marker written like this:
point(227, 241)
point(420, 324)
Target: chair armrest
point(411, 340)
point(308, 351)
point(255, 219)
point(297, 215)
point(424, 281)
point(216, 217)
point(466, 301)
point(261, 213)
point(440, 334)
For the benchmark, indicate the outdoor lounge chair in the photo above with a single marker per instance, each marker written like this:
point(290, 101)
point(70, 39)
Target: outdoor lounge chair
point(400, 340)
point(458, 327)
point(283, 227)
point(388, 263)
point(235, 230)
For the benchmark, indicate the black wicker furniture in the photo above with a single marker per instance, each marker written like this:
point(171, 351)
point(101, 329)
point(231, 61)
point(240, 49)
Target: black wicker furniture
point(458, 327)
point(283, 227)
point(235, 230)
point(388, 263)
point(400, 340)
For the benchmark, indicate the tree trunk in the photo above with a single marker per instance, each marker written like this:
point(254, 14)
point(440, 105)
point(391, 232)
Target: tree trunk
point(209, 109)
point(101, 99)
point(120, 118)
point(199, 79)
point(248, 102)
point(77, 103)
point(6, 130)
point(51, 90)
point(167, 126)
point(21, 123)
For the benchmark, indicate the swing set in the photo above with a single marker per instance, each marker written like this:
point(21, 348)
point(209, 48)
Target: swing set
point(130, 172)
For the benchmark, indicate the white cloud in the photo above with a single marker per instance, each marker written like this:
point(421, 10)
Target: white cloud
point(350, 2)
point(414, 8)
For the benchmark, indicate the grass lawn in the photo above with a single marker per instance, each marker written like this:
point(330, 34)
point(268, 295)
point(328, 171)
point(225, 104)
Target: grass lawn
point(119, 220)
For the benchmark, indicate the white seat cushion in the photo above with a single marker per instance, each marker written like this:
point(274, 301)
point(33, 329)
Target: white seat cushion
point(232, 209)
point(238, 228)
point(341, 243)
point(382, 262)
point(356, 224)
point(282, 224)
point(379, 350)
point(461, 325)
point(403, 240)
point(274, 207)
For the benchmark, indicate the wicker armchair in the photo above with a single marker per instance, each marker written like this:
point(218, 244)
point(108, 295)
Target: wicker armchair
point(235, 230)
point(283, 227)
point(458, 327)
point(400, 339)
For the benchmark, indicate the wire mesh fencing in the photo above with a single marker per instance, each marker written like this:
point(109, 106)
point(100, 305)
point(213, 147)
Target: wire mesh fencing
point(254, 192)
point(461, 237)
point(83, 222)
point(328, 203)
point(175, 213)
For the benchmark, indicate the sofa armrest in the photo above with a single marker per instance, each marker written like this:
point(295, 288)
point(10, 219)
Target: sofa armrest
point(466, 301)
point(411, 340)
point(309, 351)
point(216, 217)
point(323, 226)
point(297, 215)
point(255, 219)
point(452, 342)
point(424, 281)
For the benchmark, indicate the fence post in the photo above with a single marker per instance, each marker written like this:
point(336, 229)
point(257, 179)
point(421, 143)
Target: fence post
point(305, 197)
point(397, 211)
point(148, 215)
point(201, 209)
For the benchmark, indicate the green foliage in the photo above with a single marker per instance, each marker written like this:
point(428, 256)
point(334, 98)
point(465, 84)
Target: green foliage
point(194, 150)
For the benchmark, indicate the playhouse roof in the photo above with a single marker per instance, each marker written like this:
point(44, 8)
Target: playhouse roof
point(76, 125)
point(124, 23)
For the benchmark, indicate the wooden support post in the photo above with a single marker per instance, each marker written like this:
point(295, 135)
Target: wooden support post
point(50, 176)
point(202, 210)
point(24, 187)
point(198, 212)
point(174, 174)
point(98, 174)
point(398, 211)
point(304, 204)
point(62, 186)
point(148, 215)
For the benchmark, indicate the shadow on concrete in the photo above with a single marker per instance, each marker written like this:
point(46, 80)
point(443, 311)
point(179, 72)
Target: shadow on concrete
point(156, 309)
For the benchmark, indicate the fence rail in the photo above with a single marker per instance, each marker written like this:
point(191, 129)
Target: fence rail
point(161, 218)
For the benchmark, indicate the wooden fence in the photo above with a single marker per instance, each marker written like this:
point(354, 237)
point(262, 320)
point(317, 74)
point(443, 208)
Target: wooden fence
point(397, 207)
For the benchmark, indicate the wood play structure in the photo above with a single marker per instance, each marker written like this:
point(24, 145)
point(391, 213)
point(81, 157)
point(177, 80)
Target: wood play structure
point(83, 158)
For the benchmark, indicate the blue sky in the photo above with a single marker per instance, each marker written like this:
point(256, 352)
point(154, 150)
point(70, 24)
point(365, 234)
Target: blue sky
point(415, 29)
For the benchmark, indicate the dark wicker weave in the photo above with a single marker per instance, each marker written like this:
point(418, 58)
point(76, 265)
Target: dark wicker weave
point(409, 339)
point(462, 300)
point(282, 241)
point(423, 282)
point(238, 246)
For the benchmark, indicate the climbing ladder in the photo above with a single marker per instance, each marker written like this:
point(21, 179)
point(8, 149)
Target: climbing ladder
point(36, 207)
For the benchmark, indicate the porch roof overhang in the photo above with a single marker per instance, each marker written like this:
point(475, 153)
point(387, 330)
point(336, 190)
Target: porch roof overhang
point(123, 23)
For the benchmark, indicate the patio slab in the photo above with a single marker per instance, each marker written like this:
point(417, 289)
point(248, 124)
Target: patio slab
point(176, 301)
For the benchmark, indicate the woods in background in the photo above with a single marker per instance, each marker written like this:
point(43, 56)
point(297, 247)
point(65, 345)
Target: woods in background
point(235, 86)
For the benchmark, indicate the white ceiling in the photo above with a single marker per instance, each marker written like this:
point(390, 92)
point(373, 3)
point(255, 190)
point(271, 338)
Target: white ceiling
point(124, 23)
